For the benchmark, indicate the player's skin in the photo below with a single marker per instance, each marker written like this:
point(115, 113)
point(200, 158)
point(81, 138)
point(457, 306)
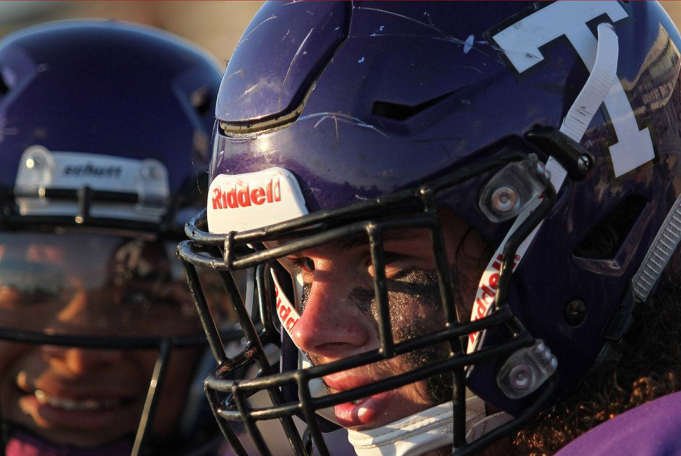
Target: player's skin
point(339, 314)
point(89, 397)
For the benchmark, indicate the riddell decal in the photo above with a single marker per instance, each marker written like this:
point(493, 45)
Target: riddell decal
point(244, 196)
point(487, 291)
point(285, 310)
point(253, 200)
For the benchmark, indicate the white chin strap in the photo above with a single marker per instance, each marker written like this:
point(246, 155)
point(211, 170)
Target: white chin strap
point(425, 431)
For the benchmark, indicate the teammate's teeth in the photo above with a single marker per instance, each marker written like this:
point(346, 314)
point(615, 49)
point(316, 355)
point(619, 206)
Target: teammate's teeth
point(41, 396)
point(70, 404)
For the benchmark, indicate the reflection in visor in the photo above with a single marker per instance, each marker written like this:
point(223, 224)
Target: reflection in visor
point(95, 285)
point(90, 296)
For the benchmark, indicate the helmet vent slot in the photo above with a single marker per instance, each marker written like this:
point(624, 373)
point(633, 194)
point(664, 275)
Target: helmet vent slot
point(402, 112)
point(605, 239)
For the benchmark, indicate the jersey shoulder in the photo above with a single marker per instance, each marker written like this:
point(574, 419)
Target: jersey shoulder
point(651, 429)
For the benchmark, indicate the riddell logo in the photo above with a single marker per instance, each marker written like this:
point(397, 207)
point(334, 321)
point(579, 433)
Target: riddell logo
point(246, 196)
point(287, 314)
point(487, 292)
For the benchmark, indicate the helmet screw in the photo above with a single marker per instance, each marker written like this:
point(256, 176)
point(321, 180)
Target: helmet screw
point(575, 312)
point(504, 199)
point(541, 168)
point(150, 173)
point(584, 163)
point(521, 377)
point(35, 161)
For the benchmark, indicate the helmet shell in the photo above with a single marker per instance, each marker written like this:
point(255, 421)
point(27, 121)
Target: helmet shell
point(396, 94)
point(106, 88)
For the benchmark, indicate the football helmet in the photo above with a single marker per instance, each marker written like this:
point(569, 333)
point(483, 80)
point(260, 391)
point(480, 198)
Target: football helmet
point(551, 129)
point(104, 142)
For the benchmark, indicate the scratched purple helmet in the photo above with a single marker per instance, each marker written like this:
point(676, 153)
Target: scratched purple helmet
point(551, 130)
point(104, 142)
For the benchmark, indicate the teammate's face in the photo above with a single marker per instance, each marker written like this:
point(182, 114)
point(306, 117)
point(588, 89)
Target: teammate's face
point(86, 398)
point(89, 286)
point(340, 316)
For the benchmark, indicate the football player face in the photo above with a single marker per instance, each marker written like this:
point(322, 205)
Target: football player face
point(89, 286)
point(86, 397)
point(340, 316)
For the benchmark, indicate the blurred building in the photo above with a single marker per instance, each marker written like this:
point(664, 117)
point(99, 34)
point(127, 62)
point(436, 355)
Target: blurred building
point(215, 25)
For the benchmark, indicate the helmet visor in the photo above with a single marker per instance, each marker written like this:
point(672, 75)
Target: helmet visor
point(93, 285)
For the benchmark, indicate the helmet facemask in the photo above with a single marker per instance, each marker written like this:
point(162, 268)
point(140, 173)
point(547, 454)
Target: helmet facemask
point(434, 346)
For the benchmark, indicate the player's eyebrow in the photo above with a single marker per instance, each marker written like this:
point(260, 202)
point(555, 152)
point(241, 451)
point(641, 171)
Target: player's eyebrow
point(362, 239)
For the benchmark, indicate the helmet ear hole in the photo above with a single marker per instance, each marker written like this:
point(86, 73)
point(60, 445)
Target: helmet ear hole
point(201, 101)
point(605, 239)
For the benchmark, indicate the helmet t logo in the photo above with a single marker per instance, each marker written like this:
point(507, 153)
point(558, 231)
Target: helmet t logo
point(521, 43)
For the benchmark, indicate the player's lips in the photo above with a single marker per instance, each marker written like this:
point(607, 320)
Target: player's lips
point(82, 397)
point(79, 406)
point(86, 412)
point(364, 413)
point(89, 404)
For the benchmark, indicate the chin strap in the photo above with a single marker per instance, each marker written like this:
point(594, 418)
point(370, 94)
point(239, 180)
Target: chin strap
point(425, 431)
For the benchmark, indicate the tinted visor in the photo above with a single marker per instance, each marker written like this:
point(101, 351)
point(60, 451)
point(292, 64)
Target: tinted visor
point(93, 285)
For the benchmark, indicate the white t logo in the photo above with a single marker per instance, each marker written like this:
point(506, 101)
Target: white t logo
point(521, 42)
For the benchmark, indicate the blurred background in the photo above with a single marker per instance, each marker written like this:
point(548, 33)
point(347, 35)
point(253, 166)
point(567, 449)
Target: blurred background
point(215, 25)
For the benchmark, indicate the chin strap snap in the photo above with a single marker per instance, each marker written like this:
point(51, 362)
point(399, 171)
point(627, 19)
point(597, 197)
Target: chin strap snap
point(425, 431)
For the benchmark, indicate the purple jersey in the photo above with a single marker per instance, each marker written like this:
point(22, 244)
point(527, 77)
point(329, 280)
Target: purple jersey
point(25, 444)
point(651, 430)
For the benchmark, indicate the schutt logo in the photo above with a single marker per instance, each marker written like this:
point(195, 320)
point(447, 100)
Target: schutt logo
point(244, 196)
point(93, 170)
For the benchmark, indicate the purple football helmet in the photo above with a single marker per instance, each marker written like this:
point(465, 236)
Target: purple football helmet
point(104, 143)
point(551, 129)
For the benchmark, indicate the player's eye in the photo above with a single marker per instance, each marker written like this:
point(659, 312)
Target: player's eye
point(392, 262)
point(304, 264)
point(18, 297)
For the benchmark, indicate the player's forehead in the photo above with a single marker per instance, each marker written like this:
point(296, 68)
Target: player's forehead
point(356, 241)
point(411, 241)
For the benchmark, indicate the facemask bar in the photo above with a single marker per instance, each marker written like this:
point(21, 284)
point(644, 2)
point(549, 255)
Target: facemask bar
point(254, 352)
point(452, 334)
